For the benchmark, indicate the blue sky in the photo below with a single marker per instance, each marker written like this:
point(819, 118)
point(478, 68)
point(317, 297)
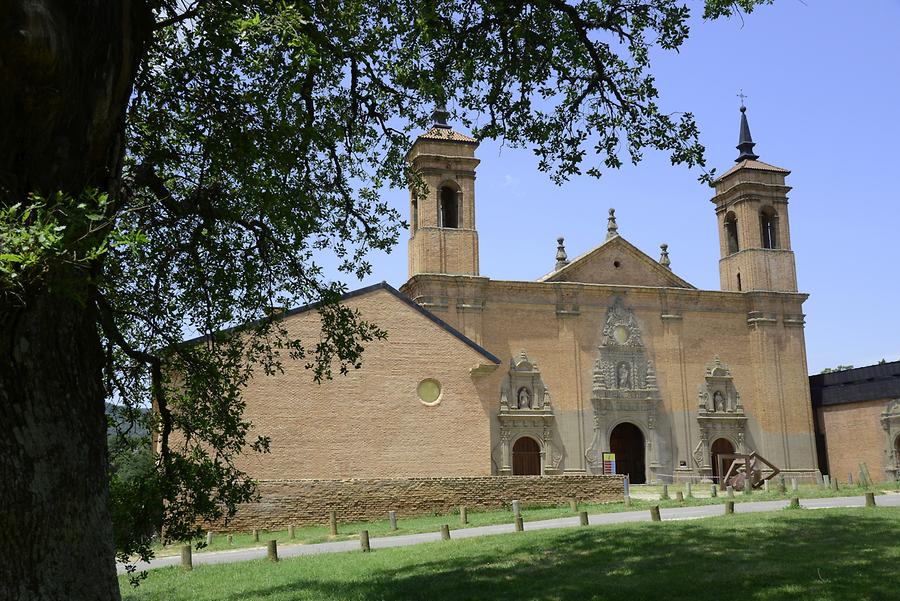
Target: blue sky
point(823, 86)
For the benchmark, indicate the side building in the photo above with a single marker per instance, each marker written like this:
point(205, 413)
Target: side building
point(858, 421)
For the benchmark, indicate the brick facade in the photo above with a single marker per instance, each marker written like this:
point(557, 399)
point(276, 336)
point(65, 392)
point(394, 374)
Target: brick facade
point(303, 502)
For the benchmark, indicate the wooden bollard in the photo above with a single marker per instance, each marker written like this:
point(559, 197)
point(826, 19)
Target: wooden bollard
point(332, 522)
point(364, 541)
point(291, 532)
point(794, 486)
point(730, 490)
point(688, 490)
point(392, 518)
point(445, 532)
point(795, 502)
point(520, 524)
point(463, 515)
point(573, 505)
point(515, 508)
point(679, 496)
point(654, 514)
point(765, 485)
point(583, 518)
point(230, 539)
point(665, 493)
point(255, 535)
point(714, 491)
point(209, 538)
point(729, 507)
point(186, 561)
point(748, 487)
point(870, 499)
point(782, 489)
point(272, 550)
point(834, 484)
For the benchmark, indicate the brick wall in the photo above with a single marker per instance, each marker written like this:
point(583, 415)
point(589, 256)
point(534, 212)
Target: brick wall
point(301, 502)
point(854, 435)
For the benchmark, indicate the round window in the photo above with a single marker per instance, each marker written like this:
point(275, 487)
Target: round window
point(429, 391)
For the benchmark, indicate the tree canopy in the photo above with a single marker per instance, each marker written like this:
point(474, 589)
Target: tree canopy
point(212, 152)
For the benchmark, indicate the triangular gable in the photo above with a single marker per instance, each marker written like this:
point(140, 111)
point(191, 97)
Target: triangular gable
point(400, 297)
point(617, 262)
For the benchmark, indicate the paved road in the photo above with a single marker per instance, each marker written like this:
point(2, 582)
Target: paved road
point(675, 513)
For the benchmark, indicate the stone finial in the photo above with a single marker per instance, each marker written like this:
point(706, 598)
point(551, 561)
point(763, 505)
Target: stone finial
point(439, 116)
point(664, 256)
point(561, 258)
point(612, 230)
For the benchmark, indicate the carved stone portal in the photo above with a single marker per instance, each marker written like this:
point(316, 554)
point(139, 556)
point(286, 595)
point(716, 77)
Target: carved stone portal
point(890, 421)
point(719, 415)
point(624, 389)
point(525, 410)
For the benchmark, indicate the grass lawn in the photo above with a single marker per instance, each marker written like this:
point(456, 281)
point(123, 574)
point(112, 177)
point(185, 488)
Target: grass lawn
point(829, 554)
point(432, 523)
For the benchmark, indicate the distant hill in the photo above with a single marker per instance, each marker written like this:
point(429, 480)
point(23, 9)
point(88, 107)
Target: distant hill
point(137, 429)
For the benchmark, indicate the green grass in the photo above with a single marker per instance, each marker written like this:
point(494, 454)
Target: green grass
point(823, 555)
point(432, 523)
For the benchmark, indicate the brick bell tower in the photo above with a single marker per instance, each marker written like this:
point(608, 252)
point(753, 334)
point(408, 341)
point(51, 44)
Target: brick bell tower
point(443, 238)
point(754, 229)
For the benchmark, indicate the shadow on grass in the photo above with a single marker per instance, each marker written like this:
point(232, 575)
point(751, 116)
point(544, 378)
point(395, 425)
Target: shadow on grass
point(794, 555)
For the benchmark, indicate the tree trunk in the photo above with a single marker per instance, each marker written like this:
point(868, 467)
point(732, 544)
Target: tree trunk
point(67, 69)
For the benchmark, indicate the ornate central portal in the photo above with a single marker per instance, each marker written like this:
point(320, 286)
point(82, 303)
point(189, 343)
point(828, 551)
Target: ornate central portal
point(624, 390)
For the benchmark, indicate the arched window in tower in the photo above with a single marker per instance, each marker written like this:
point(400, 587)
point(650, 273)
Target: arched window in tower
point(414, 214)
point(449, 208)
point(768, 222)
point(731, 233)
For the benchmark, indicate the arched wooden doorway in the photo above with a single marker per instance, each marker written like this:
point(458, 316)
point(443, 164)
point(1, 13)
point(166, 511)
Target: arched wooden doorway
point(627, 442)
point(526, 457)
point(722, 446)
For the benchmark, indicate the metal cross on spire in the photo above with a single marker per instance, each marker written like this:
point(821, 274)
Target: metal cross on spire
point(742, 96)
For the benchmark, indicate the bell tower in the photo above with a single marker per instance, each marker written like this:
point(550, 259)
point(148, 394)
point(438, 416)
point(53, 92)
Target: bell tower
point(754, 230)
point(443, 238)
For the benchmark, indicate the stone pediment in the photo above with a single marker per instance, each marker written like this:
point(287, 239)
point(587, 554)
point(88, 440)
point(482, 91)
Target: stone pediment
point(617, 262)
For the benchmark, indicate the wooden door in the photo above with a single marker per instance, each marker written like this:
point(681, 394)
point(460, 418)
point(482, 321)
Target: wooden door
point(526, 455)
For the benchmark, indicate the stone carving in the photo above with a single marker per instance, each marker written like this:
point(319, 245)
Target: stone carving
point(720, 413)
point(623, 387)
point(525, 409)
point(890, 421)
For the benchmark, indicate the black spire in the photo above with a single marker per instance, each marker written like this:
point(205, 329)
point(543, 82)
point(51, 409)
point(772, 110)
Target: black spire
point(439, 116)
point(745, 143)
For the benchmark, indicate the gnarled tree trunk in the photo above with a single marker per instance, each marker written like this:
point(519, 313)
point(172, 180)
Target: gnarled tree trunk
point(66, 73)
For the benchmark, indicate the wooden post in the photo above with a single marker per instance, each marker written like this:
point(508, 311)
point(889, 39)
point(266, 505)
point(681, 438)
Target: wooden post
point(272, 550)
point(209, 538)
point(392, 517)
point(573, 504)
point(186, 561)
point(782, 489)
point(679, 496)
point(688, 492)
point(748, 486)
point(291, 532)
point(255, 535)
point(870, 499)
point(515, 508)
point(794, 486)
point(730, 490)
point(520, 524)
point(230, 539)
point(665, 493)
point(364, 541)
point(714, 491)
point(765, 485)
point(795, 502)
point(729, 507)
point(463, 515)
point(332, 522)
point(654, 513)
point(445, 532)
point(584, 518)
point(834, 484)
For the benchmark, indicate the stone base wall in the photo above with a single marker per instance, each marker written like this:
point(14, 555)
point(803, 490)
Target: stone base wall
point(302, 502)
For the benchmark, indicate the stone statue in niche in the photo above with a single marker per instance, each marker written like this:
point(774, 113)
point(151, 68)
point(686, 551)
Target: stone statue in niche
point(524, 398)
point(719, 401)
point(623, 375)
